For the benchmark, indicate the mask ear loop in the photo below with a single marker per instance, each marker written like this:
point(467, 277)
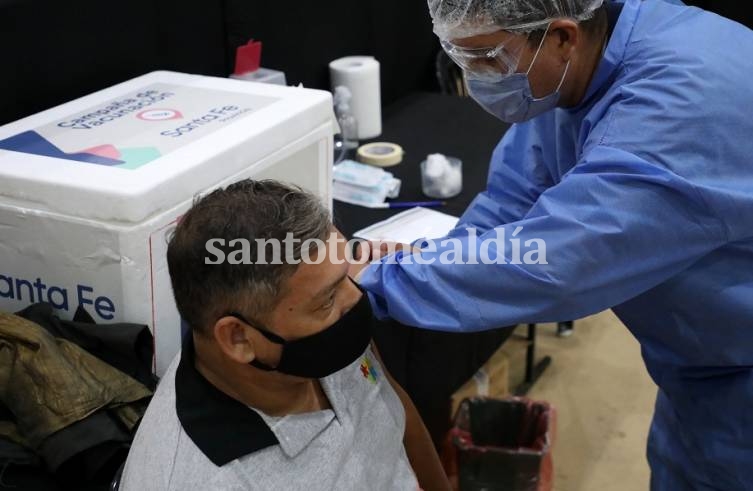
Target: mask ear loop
point(564, 75)
point(272, 337)
point(536, 56)
point(264, 332)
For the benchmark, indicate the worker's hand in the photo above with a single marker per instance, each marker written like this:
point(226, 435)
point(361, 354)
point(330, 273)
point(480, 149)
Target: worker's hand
point(380, 249)
point(355, 270)
point(361, 259)
point(367, 252)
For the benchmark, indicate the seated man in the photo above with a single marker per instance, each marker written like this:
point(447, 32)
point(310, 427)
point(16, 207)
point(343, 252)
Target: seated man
point(277, 385)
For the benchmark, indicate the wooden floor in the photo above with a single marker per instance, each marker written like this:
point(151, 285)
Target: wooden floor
point(604, 399)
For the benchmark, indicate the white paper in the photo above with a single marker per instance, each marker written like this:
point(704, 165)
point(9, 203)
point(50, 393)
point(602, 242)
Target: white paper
point(361, 74)
point(410, 225)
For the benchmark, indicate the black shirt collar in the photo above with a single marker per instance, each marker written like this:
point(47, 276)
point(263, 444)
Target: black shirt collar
point(223, 428)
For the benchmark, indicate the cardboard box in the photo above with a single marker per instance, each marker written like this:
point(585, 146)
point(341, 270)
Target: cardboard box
point(90, 190)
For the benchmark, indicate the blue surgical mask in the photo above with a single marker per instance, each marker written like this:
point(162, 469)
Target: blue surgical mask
point(510, 99)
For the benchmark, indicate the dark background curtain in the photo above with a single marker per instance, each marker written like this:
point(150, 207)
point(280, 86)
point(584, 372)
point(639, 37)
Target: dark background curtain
point(52, 51)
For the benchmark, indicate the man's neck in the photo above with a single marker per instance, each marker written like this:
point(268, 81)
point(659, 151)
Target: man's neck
point(588, 66)
point(272, 393)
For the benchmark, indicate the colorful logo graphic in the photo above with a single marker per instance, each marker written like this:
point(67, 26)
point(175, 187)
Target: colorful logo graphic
point(368, 371)
point(33, 143)
point(159, 115)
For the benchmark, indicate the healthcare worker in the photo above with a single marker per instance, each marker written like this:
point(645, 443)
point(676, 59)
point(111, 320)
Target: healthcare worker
point(631, 157)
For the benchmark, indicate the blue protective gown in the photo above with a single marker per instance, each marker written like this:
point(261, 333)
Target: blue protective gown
point(643, 195)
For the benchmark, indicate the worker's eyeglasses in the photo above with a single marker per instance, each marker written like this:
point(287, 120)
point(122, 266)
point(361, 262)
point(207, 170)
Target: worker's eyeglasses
point(491, 64)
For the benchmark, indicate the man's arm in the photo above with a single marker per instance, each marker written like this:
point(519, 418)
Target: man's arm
point(418, 445)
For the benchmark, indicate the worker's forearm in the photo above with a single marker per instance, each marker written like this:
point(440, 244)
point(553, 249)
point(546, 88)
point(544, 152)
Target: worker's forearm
point(568, 258)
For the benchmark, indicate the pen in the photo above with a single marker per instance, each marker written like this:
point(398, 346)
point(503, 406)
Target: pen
point(411, 204)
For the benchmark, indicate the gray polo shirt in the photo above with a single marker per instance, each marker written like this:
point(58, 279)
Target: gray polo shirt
point(194, 437)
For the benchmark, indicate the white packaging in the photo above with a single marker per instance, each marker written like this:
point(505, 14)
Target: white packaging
point(362, 184)
point(360, 74)
point(263, 75)
point(90, 190)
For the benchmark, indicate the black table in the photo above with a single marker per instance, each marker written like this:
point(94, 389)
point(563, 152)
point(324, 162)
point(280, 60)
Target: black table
point(432, 365)
point(427, 123)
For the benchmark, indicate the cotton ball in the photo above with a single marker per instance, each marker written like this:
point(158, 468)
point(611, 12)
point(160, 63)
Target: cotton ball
point(453, 180)
point(436, 166)
point(441, 176)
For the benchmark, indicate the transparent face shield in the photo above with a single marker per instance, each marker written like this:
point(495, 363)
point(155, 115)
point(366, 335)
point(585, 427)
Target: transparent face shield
point(488, 64)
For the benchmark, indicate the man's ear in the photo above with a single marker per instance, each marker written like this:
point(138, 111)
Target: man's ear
point(234, 339)
point(567, 35)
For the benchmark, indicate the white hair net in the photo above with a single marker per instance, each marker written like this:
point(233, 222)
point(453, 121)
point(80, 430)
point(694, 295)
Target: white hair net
point(456, 19)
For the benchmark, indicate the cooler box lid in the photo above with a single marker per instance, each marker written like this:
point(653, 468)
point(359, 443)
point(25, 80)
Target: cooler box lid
point(141, 147)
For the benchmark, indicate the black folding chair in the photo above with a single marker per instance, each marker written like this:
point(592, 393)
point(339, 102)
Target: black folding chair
point(450, 76)
point(115, 483)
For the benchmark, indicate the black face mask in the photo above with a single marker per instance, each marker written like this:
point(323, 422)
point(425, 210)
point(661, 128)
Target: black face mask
point(326, 352)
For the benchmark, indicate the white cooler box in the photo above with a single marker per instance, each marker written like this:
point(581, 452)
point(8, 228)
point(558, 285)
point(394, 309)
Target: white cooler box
point(90, 190)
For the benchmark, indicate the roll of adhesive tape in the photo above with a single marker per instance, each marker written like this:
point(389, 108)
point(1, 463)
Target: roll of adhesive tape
point(381, 154)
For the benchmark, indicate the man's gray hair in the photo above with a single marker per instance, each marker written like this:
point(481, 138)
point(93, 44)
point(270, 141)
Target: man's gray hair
point(257, 211)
